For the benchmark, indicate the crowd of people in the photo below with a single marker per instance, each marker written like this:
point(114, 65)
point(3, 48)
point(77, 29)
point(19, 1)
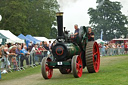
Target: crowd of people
point(110, 49)
point(12, 56)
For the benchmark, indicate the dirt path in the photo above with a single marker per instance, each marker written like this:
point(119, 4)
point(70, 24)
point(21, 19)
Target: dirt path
point(37, 78)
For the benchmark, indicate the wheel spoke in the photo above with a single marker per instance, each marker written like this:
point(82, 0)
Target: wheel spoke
point(77, 66)
point(95, 53)
point(47, 68)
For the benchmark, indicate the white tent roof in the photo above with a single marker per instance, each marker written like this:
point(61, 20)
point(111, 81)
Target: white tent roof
point(120, 39)
point(99, 41)
point(11, 36)
point(42, 38)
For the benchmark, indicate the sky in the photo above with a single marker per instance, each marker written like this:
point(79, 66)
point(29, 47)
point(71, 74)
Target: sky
point(75, 11)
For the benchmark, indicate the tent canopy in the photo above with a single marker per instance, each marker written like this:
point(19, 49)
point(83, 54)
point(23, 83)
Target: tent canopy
point(42, 38)
point(2, 36)
point(33, 39)
point(3, 39)
point(100, 41)
point(21, 36)
point(11, 36)
point(119, 39)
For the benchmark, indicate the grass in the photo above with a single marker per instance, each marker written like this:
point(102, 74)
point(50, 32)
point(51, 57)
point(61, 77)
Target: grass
point(113, 71)
point(20, 74)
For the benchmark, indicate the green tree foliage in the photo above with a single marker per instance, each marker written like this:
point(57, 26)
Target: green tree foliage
point(108, 17)
point(53, 33)
point(35, 17)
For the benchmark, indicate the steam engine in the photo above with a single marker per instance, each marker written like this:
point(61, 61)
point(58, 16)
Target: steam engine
point(71, 53)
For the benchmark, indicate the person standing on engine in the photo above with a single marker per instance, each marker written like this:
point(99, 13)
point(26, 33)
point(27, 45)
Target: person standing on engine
point(76, 30)
point(90, 34)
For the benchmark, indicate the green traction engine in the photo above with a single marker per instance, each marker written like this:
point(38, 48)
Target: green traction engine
point(71, 53)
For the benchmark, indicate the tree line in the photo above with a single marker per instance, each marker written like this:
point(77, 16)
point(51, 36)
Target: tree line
point(38, 18)
point(35, 17)
point(108, 17)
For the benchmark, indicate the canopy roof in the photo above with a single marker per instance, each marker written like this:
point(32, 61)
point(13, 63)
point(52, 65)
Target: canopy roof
point(119, 39)
point(2, 36)
point(21, 36)
point(33, 39)
point(100, 41)
point(11, 36)
point(42, 38)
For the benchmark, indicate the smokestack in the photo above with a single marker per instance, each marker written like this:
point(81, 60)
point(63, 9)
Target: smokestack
point(60, 23)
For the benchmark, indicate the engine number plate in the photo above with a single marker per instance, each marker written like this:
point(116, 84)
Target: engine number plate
point(59, 63)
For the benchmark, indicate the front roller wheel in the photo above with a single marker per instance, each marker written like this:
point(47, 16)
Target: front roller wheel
point(77, 66)
point(46, 70)
point(92, 57)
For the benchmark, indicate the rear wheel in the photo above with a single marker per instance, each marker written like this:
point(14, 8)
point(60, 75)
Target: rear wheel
point(65, 69)
point(46, 70)
point(92, 57)
point(77, 67)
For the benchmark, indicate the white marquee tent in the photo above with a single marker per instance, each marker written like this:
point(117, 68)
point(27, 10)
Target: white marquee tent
point(42, 38)
point(45, 39)
point(11, 36)
point(100, 41)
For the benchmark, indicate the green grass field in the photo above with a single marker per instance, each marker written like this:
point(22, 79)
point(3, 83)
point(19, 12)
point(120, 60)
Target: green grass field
point(113, 71)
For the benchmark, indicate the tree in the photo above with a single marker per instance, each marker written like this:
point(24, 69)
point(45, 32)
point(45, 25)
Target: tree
point(53, 33)
point(42, 15)
point(108, 17)
point(34, 17)
point(14, 18)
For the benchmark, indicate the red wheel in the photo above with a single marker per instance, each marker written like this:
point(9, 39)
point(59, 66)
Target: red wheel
point(46, 70)
point(92, 57)
point(96, 57)
point(77, 66)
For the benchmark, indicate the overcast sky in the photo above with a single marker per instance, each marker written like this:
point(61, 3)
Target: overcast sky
point(75, 11)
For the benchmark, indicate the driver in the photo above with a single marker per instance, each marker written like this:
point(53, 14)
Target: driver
point(76, 30)
point(76, 33)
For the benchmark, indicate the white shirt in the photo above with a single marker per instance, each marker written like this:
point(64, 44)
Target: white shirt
point(33, 49)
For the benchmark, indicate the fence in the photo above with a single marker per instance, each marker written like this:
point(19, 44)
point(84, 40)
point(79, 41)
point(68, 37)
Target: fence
point(15, 62)
point(111, 51)
point(33, 60)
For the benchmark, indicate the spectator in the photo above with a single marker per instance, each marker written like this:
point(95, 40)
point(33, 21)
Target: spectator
point(126, 47)
point(18, 49)
point(39, 53)
point(41, 44)
point(32, 54)
point(46, 47)
point(50, 45)
point(103, 50)
point(25, 55)
point(12, 58)
point(5, 61)
point(30, 46)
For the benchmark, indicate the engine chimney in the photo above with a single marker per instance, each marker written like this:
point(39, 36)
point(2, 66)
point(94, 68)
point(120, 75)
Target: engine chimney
point(60, 23)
